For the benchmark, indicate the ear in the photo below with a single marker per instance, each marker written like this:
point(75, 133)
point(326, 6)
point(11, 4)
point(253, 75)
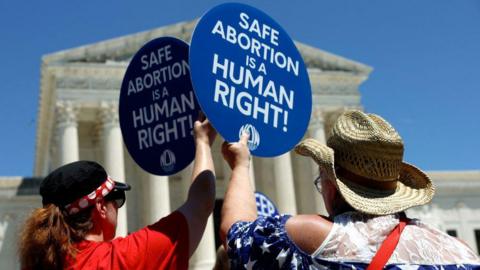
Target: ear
point(101, 208)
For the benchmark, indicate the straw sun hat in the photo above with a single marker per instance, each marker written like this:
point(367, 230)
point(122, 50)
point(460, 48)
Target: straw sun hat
point(364, 156)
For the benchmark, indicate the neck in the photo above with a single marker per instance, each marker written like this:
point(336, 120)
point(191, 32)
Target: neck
point(340, 206)
point(94, 237)
point(95, 234)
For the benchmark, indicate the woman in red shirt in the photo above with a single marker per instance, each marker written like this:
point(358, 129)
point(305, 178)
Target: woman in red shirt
point(76, 225)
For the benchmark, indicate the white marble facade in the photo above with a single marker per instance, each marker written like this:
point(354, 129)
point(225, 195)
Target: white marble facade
point(78, 119)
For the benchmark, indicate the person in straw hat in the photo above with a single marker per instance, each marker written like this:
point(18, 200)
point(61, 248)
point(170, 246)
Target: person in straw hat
point(366, 187)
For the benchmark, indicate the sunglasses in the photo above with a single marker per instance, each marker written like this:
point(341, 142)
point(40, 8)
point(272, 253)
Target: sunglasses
point(116, 196)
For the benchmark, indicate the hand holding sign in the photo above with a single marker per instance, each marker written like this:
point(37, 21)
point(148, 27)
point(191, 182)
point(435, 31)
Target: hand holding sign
point(204, 132)
point(158, 107)
point(237, 154)
point(249, 77)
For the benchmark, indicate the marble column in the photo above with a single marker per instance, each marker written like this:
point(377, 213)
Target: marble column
point(466, 225)
point(157, 193)
point(67, 132)
point(304, 189)
point(113, 155)
point(8, 231)
point(317, 131)
point(284, 185)
point(204, 256)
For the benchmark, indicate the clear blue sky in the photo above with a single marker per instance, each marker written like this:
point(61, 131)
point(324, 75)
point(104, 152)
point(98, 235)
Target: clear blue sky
point(425, 54)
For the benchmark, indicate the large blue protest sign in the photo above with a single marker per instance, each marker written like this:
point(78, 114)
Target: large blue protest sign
point(265, 206)
point(249, 77)
point(158, 107)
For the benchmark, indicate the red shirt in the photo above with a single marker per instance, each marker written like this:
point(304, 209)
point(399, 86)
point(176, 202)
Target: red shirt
point(163, 245)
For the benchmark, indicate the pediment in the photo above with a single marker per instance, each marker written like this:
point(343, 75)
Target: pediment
point(121, 49)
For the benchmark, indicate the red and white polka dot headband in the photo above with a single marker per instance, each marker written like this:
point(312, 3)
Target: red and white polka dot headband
point(92, 198)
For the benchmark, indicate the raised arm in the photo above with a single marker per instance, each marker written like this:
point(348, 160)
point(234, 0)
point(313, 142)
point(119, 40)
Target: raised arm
point(239, 202)
point(201, 195)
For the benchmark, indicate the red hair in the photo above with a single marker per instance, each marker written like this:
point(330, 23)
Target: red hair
point(48, 236)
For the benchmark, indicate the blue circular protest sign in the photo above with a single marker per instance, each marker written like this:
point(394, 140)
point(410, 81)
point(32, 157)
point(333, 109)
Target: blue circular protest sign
point(157, 107)
point(249, 77)
point(265, 206)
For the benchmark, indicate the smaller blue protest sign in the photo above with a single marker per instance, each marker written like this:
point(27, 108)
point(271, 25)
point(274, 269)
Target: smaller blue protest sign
point(157, 107)
point(249, 76)
point(265, 206)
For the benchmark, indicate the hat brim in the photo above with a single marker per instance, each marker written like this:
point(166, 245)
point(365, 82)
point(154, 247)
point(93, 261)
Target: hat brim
point(413, 188)
point(121, 186)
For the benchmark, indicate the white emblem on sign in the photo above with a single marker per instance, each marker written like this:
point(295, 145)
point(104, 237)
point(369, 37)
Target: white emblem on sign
point(167, 160)
point(254, 140)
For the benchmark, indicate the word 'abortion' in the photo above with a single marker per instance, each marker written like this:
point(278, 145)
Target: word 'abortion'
point(155, 130)
point(161, 74)
point(248, 103)
point(255, 46)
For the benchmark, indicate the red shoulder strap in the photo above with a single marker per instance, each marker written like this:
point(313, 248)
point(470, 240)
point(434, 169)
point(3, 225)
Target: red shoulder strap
point(388, 246)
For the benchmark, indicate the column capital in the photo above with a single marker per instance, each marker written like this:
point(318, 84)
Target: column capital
point(108, 113)
point(66, 114)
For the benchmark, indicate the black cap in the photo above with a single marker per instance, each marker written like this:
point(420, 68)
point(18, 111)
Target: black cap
point(73, 181)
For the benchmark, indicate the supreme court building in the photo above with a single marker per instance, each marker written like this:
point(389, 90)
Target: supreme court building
point(78, 119)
